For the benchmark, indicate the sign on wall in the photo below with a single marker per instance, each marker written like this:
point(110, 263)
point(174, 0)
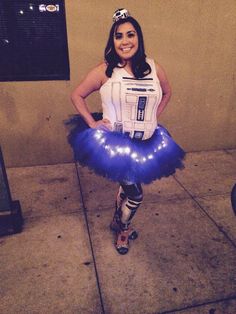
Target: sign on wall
point(33, 40)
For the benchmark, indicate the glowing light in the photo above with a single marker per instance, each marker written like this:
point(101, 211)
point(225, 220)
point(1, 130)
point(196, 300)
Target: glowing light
point(150, 156)
point(102, 140)
point(123, 150)
point(112, 153)
point(98, 134)
point(119, 149)
point(159, 147)
point(164, 144)
point(21, 12)
point(127, 150)
point(144, 159)
point(134, 155)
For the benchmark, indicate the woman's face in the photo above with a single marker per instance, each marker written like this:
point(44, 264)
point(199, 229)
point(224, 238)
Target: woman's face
point(126, 41)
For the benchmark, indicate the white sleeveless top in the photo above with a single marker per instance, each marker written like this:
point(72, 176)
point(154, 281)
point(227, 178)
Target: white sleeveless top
point(131, 104)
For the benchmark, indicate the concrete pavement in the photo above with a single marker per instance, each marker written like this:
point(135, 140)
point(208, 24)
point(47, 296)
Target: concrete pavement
point(184, 260)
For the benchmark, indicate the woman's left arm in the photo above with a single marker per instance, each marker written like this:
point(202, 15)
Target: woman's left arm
point(166, 89)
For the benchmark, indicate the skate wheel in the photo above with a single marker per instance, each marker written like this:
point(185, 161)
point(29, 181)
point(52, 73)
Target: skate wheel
point(122, 250)
point(133, 235)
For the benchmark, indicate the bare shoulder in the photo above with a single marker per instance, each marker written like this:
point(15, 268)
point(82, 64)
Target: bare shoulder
point(159, 68)
point(99, 71)
point(102, 66)
point(92, 81)
point(96, 76)
point(160, 72)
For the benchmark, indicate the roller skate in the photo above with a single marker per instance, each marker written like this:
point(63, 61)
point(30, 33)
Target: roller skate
point(122, 242)
point(115, 226)
point(132, 233)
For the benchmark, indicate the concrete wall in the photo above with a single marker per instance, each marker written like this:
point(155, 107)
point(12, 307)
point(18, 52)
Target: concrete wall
point(194, 40)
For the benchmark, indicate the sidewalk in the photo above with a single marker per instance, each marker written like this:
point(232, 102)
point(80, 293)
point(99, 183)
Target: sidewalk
point(184, 260)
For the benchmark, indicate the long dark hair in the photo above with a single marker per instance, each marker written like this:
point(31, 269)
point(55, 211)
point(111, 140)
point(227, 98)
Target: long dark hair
point(140, 67)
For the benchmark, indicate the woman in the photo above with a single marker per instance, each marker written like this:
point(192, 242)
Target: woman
point(126, 145)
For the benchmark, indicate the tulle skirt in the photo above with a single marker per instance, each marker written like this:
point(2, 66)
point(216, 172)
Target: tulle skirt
point(122, 159)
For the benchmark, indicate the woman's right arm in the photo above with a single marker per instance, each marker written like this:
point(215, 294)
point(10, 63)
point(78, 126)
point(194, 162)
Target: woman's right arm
point(92, 82)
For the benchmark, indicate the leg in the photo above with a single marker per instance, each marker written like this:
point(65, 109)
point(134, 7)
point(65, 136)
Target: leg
point(134, 198)
point(115, 225)
point(129, 205)
point(122, 203)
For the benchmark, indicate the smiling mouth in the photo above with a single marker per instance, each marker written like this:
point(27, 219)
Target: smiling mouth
point(127, 49)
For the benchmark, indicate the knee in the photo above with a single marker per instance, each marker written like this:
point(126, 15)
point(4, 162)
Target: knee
point(136, 197)
point(133, 192)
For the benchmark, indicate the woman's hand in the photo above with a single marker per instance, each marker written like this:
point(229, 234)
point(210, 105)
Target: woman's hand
point(101, 124)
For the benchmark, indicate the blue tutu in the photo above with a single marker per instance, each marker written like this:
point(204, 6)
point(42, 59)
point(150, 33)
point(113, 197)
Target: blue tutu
point(122, 159)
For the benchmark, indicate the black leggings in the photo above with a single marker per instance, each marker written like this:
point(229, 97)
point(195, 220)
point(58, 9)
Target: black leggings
point(129, 199)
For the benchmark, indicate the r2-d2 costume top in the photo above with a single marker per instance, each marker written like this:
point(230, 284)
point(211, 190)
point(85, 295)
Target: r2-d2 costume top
point(130, 104)
point(136, 150)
